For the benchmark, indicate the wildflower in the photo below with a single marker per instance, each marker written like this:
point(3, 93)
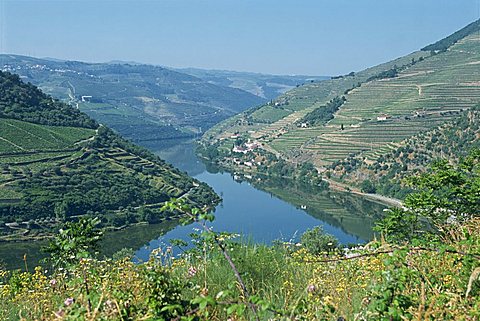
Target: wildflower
point(192, 271)
point(53, 282)
point(311, 288)
point(109, 304)
point(68, 301)
point(59, 313)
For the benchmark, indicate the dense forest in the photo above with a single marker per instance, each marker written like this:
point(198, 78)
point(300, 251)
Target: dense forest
point(26, 102)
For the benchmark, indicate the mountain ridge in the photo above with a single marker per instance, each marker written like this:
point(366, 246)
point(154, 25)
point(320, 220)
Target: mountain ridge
point(378, 109)
point(139, 101)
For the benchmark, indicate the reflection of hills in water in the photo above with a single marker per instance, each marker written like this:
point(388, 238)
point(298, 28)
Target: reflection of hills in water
point(134, 237)
point(353, 214)
point(178, 152)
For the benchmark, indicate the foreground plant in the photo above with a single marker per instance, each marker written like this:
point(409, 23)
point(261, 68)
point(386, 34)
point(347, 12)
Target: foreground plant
point(420, 276)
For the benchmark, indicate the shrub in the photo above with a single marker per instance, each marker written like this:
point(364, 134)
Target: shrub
point(317, 241)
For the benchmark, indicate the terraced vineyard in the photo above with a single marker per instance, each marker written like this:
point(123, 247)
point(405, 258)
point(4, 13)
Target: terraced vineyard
point(53, 173)
point(427, 90)
point(18, 135)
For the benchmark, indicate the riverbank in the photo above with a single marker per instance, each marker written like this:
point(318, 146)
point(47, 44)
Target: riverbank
point(253, 159)
point(376, 197)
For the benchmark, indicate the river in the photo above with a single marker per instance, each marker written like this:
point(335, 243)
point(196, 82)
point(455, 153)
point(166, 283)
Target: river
point(274, 210)
point(270, 210)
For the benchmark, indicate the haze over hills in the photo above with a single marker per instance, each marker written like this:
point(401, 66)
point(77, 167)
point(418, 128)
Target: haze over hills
point(56, 163)
point(367, 113)
point(140, 101)
point(145, 102)
point(262, 85)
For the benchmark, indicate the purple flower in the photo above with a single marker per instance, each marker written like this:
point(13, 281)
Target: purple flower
point(68, 301)
point(53, 282)
point(311, 288)
point(192, 271)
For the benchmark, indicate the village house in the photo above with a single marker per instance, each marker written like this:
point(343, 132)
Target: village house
point(383, 117)
point(239, 149)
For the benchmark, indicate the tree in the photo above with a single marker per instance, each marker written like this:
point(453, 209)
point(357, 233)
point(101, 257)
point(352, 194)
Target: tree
point(75, 241)
point(317, 241)
point(446, 194)
point(368, 187)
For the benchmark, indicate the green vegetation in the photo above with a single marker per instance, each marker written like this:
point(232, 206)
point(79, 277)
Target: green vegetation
point(447, 42)
point(141, 102)
point(426, 276)
point(372, 135)
point(454, 140)
point(444, 195)
point(390, 73)
point(317, 242)
point(323, 114)
point(54, 173)
point(26, 102)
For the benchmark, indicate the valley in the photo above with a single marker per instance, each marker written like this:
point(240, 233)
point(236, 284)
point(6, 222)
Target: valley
point(145, 102)
point(133, 191)
point(57, 164)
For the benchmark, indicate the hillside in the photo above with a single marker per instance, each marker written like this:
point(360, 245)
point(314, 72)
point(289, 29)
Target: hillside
point(262, 85)
point(367, 113)
point(56, 163)
point(452, 140)
point(142, 102)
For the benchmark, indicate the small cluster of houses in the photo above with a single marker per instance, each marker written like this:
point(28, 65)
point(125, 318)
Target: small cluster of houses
point(280, 102)
point(17, 68)
point(247, 147)
point(416, 113)
point(258, 160)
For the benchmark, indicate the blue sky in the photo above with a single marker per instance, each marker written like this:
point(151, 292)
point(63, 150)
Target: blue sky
point(314, 37)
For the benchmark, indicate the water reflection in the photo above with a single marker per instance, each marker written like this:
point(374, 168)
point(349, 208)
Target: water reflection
point(261, 210)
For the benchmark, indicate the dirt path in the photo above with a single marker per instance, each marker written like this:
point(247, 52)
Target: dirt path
point(88, 139)
point(12, 143)
point(419, 89)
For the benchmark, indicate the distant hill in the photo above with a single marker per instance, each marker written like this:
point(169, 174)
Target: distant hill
point(56, 163)
point(262, 85)
point(363, 114)
point(142, 102)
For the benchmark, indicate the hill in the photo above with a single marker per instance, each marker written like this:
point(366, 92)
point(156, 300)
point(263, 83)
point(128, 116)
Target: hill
point(262, 85)
point(452, 140)
point(56, 164)
point(142, 102)
point(363, 114)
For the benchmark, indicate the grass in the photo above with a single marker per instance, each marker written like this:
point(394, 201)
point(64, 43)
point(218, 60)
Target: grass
point(378, 282)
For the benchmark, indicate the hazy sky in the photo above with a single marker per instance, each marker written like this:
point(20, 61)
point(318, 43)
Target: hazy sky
point(315, 37)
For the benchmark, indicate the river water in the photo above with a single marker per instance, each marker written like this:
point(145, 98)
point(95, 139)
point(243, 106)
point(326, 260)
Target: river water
point(259, 216)
point(270, 210)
